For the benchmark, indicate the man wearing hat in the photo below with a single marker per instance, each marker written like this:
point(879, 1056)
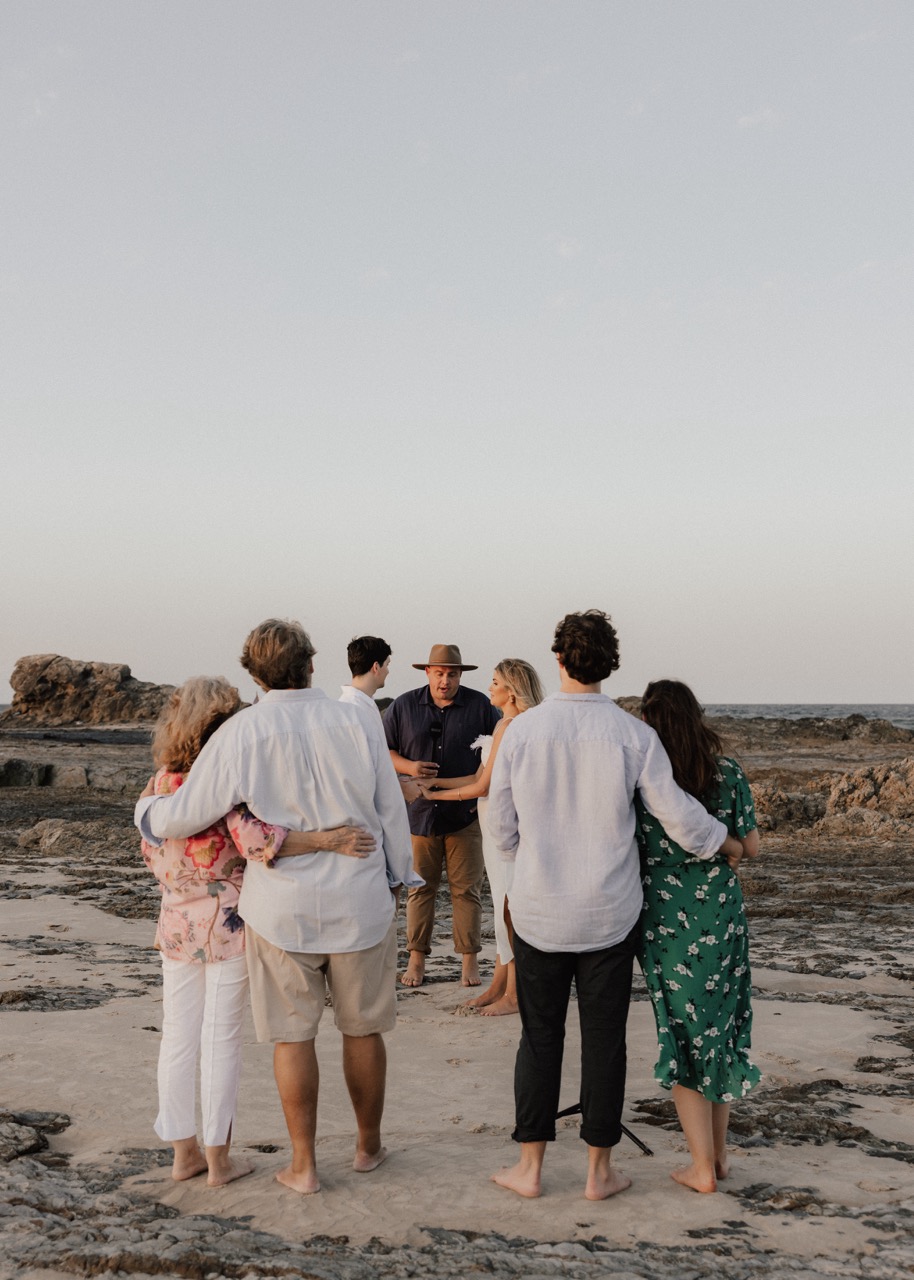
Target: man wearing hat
point(430, 732)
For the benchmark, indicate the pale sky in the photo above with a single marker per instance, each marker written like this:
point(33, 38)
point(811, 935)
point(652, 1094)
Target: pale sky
point(439, 320)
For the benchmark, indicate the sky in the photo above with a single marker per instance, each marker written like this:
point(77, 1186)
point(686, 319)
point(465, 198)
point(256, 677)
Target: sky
point(437, 321)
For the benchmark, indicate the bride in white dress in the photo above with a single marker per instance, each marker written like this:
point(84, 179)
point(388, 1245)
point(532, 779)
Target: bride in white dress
point(514, 689)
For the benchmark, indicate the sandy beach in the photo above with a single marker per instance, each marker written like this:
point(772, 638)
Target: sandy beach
point(822, 1180)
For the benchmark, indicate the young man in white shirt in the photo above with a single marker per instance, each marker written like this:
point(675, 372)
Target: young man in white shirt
point(369, 661)
point(561, 808)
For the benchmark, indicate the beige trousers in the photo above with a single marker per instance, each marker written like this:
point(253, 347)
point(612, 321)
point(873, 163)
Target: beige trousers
point(460, 854)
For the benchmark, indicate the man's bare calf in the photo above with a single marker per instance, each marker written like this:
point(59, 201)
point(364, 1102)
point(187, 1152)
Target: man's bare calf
point(365, 1071)
point(297, 1078)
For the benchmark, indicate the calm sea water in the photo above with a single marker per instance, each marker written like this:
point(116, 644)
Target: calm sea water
point(900, 713)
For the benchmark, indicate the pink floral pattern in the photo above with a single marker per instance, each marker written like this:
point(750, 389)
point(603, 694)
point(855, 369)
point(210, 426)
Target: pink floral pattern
point(200, 880)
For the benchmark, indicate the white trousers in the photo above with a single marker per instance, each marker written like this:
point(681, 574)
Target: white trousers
point(203, 1013)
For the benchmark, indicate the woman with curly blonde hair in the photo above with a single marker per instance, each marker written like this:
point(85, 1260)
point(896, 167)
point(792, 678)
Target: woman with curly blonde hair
point(515, 688)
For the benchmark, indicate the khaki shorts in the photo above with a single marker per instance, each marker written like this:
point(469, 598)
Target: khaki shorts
point(288, 989)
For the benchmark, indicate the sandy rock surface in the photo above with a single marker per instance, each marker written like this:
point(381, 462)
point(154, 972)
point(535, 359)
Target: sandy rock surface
point(823, 1151)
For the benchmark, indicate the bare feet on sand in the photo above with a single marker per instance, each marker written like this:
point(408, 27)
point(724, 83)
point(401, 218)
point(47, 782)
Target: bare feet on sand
point(189, 1160)
point(489, 996)
point(306, 1184)
point(603, 1184)
point(470, 974)
point(520, 1178)
point(506, 1004)
point(365, 1161)
point(414, 973)
point(228, 1171)
point(722, 1168)
point(698, 1180)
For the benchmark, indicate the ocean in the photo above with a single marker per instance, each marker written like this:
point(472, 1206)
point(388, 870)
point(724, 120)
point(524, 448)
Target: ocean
point(900, 713)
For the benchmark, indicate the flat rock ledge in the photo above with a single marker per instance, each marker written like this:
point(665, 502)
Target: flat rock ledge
point(17, 772)
point(78, 1221)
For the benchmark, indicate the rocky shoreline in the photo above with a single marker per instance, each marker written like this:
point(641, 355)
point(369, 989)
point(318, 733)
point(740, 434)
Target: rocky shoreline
point(825, 1146)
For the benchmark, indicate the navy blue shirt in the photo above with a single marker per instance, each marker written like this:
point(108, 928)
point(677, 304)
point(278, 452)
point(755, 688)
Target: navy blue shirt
point(419, 730)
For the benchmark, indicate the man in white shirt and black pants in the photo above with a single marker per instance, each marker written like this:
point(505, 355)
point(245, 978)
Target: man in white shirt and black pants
point(561, 808)
point(318, 920)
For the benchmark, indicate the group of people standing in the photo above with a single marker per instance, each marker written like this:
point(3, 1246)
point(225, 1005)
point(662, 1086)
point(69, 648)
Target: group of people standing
point(283, 833)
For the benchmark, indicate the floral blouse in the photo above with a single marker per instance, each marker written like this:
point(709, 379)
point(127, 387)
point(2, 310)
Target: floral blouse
point(200, 880)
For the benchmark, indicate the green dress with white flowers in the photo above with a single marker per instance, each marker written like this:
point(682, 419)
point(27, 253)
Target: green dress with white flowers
point(695, 951)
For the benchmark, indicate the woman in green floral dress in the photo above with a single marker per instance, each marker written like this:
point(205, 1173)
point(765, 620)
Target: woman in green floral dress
point(695, 945)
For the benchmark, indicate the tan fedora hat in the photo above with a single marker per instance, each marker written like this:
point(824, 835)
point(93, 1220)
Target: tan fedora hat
point(445, 655)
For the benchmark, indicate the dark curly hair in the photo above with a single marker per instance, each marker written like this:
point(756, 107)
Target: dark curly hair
point(587, 646)
point(672, 710)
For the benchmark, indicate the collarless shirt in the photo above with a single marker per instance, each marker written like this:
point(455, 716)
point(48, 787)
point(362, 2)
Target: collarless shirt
point(308, 763)
point(561, 807)
point(408, 725)
point(369, 712)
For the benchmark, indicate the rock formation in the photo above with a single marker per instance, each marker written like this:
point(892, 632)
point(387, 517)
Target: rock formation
point(51, 690)
point(874, 801)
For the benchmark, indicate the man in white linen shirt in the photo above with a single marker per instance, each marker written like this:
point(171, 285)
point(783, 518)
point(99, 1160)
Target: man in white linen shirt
point(561, 807)
point(369, 661)
point(299, 760)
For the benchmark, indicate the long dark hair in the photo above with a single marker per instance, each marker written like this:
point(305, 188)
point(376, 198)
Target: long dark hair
point(671, 708)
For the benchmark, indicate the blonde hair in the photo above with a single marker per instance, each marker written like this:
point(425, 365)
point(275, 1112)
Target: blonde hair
point(278, 653)
point(191, 716)
point(523, 682)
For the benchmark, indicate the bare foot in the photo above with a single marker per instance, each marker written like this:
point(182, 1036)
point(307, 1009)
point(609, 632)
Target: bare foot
point(507, 1004)
point(722, 1168)
point(414, 973)
point(364, 1162)
point(188, 1163)
point(690, 1176)
point(489, 996)
point(229, 1172)
point(600, 1185)
point(470, 974)
point(519, 1178)
point(306, 1184)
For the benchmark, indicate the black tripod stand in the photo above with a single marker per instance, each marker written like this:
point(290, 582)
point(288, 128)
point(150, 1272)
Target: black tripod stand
point(576, 1109)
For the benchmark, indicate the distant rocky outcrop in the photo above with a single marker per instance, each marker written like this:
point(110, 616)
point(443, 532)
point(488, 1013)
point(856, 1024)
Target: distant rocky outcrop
point(758, 732)
point(52, 690)
point(877, 800)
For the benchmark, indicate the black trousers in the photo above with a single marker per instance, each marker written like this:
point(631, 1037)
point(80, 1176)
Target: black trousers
point(604, 987)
